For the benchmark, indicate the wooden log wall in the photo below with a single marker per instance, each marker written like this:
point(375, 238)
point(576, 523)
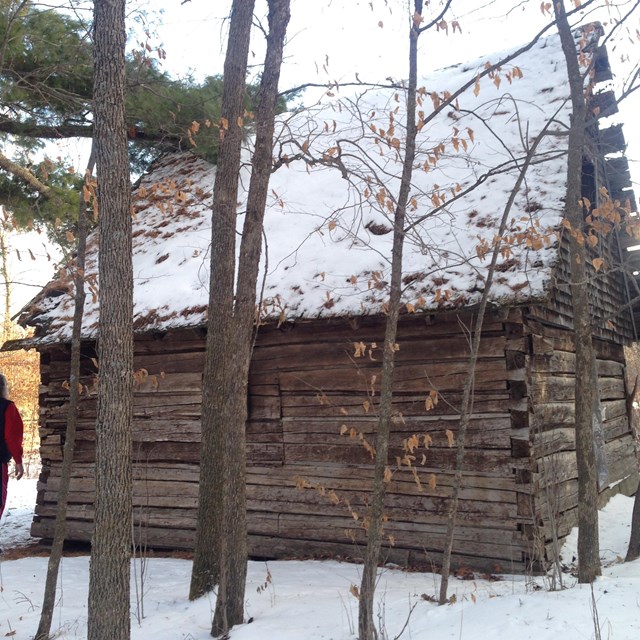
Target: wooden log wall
point(312, 400)
point(325, 390)
point(550, 375)
point(609, 293)
point(307, 483)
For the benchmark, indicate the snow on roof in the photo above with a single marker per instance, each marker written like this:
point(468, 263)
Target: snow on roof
point(328, 220)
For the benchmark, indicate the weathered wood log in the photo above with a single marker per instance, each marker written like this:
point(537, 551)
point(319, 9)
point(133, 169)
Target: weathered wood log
point(305, 384)
point(302, 357)
point(331, 403)
point(441, 376)
point(368, 329)
point(563, 337)
point(563, 362)
point(557, 414)
point(561, 387)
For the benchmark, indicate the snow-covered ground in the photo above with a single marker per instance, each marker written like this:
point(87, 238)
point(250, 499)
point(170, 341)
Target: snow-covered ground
point(311, 600)
point(17, 516)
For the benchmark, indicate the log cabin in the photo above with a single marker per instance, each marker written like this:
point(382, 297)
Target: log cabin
point(315, 369)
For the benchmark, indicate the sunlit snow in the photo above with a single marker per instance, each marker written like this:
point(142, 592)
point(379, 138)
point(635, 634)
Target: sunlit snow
point(328, 221)
point(310, 600)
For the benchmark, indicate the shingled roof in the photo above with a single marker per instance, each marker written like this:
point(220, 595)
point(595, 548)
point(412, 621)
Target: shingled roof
point(327, 228)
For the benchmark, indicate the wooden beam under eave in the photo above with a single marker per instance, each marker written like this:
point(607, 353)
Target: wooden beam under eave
point(601, 66)
point(618, 176)
point(611, 140)
point(603, 104)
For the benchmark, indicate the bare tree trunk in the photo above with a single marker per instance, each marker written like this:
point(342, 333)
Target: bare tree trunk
point(4, 266)
point(366, 626)
point(108, 610)
point(48, 603)
point(11, 16)
point(210, 542)
point(633, 552)
point(233, 563)
point(588, 541)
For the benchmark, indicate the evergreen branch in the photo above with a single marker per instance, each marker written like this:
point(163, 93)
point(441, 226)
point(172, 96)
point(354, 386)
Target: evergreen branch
point(25, 175)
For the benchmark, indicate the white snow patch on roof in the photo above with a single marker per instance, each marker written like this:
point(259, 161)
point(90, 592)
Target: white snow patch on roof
point(330, 209)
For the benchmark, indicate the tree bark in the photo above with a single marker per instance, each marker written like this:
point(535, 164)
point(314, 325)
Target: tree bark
point(60, 131)
point(633, 552)
point(48, 602)
point(233, 563)
point(210, 543)
point(588, 541)
point(4, 269)
point(108, 609)
point(366, 626)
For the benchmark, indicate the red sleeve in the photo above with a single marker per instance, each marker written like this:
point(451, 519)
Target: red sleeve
point(13, 432)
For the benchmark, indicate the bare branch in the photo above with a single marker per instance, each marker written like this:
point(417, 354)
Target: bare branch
point(438, 19)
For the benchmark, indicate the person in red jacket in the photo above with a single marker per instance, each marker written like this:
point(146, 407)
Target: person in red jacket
point(11, 442)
